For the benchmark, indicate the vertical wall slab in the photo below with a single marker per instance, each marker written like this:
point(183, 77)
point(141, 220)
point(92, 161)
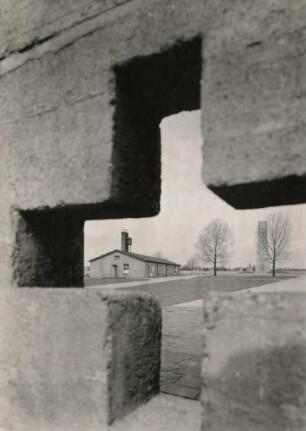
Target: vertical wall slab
point(48, 249)
point(73, 359)
point(253, 102)
point(254, 373)
point(6, 199)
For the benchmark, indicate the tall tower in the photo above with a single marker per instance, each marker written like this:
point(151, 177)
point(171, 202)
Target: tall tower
point(126, 241)
point(261, 262)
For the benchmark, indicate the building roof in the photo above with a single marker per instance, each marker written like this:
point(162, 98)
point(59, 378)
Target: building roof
point(141, 257)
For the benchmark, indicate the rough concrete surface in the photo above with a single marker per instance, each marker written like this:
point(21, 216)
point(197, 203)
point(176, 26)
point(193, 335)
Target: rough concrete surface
point(72, 358)
point(252, 98)
point(135, 331)
point(254, 365)
point(27, 23)
point(69, 142)
point(256, 88)
point(48, 250)
point(163, 413)
point(6, 239)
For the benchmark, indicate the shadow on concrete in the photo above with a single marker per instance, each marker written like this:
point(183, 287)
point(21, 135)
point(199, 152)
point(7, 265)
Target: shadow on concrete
point(259, 390)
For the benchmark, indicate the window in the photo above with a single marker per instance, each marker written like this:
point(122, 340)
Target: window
point(126, 267)
point(117, 257)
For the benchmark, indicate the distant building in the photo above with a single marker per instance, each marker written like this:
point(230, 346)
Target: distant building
point(125, 264)
point(87, 271)
point(262, 264)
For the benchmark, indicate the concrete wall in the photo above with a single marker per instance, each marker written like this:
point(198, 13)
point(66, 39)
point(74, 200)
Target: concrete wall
point(62, 354)
point(68, 120)
point(26, 23)
point(99, 129)
point(254, 362)
point(103, 267)
point(80, 140)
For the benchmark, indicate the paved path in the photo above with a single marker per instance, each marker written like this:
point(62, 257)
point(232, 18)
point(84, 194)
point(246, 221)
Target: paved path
point(297, 284)
point(125, 284)
point(182, 340)
point(182, 319)
point(181, 351)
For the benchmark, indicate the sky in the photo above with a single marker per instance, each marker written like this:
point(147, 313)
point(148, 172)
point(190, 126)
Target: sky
point(187, 206)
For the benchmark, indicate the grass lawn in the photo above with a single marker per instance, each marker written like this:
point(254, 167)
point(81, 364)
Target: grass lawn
point(178, 291)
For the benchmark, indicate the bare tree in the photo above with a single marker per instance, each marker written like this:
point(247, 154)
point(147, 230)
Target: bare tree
point(213, 243)
point(276, 245)
point(191, 263)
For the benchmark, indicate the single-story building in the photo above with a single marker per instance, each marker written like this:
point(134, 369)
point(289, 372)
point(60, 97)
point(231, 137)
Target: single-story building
point(123, 264)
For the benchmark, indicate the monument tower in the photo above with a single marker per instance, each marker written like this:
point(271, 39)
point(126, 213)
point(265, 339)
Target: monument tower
point(261, 262)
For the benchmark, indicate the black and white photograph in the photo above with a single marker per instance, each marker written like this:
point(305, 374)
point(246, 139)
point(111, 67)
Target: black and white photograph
point(153, 215)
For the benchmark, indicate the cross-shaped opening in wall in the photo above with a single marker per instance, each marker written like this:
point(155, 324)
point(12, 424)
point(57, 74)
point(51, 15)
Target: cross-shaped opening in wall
point(49, 244)
point(48, 248)
point(147, 90)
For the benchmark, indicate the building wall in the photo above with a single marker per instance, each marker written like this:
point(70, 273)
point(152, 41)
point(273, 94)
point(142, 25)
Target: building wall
point(173, 270)
point(151, 269)
point(103, 267)
point(161, 269)
point(96, 269)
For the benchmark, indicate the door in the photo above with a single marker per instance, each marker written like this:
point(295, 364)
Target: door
point(115, 271)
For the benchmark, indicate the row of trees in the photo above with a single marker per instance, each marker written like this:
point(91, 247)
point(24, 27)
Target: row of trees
point(214, 245)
